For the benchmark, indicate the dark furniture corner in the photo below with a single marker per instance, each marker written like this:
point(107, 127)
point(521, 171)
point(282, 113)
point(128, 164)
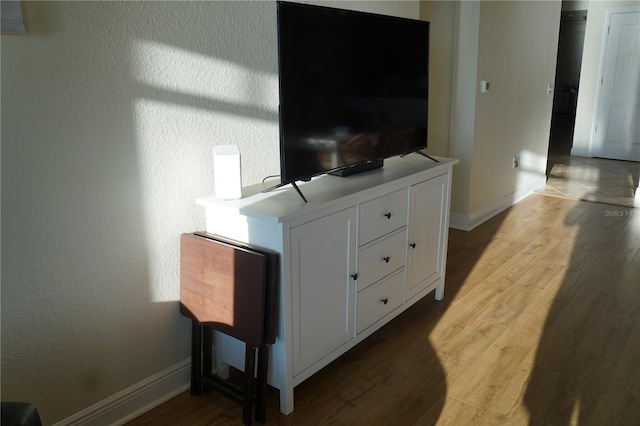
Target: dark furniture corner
point(19, 414)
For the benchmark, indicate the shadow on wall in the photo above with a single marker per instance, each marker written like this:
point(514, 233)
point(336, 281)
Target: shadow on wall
point(97, 189)
point(129, 99)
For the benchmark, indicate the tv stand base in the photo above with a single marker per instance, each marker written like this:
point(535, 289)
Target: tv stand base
point(358, 168)
point(298, 191)
point(424, 155)
point(283, 184)
point(427, 156)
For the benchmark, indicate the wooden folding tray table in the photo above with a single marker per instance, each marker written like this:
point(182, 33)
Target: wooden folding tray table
point(229, 286)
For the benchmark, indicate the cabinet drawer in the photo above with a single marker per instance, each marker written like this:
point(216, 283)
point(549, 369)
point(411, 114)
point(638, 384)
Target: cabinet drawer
point(379, 300)
point(380, 259)
point(382, 215)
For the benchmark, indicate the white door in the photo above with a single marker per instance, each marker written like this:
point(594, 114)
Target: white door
point(616, 134)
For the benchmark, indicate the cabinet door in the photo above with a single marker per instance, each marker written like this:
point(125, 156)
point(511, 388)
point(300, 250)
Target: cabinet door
point(323, 291)
point(427, 234)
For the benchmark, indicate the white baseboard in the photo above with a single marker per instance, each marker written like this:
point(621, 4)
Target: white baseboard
point(459, 221)
point(478, 217)
point(130, 403)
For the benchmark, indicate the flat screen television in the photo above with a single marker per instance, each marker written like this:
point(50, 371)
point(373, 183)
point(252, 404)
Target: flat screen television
point(353, 86)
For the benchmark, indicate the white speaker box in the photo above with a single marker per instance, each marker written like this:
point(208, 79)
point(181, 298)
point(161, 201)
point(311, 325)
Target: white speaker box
point(226, 171)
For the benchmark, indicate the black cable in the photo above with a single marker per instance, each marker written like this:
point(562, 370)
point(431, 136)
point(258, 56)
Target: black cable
point(269, 177)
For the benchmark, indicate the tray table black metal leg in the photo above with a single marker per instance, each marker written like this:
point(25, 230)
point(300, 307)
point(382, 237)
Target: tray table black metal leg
point(249, 371)
point(261, 384)
point(207, 355)
point(196, 357)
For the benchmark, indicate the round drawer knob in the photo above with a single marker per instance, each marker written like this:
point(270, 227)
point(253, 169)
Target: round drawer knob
point(386, 259)
point(384, 301)
point(413, 245)
point(388, 215)
point(354, 276)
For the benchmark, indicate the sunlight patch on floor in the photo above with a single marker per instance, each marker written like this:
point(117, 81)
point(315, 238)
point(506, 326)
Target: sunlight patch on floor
point(594, 179)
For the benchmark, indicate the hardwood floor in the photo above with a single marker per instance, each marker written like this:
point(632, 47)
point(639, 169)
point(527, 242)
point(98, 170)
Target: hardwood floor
point(586, 178)
point(593, 179)
point(540, 325)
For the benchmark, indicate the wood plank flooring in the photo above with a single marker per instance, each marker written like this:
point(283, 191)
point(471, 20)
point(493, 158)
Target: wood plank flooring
point(540, 325)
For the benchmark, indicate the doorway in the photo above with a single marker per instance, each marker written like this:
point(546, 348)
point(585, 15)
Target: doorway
point(569, 60)
point(586, 178)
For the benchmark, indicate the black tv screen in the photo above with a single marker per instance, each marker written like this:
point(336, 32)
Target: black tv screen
point(353, 88)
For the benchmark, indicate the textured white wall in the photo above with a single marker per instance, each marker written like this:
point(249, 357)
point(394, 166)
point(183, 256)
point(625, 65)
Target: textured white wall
point(512, 44)
point(109, 114)
point(441, 14)
point(514, 117)
point(463, 101)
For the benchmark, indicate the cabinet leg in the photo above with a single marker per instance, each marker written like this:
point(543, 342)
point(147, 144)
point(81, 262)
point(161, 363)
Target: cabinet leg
point(222, 368)
point(440, 292)
point(286, 400)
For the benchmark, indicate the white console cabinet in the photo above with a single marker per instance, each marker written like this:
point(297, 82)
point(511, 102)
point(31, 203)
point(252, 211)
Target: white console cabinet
point(362, 250)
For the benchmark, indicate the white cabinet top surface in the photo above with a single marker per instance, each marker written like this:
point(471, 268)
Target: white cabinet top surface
point(325, 191)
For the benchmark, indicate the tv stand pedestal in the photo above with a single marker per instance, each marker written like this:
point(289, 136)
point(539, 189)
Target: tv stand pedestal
point(424, 155)
point(360, 252)
point(358, 168)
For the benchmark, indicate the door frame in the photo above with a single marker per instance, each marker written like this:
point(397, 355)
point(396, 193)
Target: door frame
point(603, 50)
